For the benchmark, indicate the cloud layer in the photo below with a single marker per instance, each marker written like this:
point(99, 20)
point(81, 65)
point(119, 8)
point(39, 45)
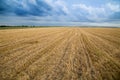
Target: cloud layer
point(42, 12)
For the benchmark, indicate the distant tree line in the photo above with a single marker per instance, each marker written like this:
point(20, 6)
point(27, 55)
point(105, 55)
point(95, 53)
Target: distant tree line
point(3, 26)
point(16, 26)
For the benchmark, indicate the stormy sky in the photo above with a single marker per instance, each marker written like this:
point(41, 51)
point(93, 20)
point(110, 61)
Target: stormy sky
point(60, 12)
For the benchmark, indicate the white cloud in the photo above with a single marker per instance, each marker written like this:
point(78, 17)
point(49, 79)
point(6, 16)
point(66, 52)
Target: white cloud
point(58, 4)
point(63, 6)
point(33, 2)
point(98, 13)
point(113, 7)
point(94, 13)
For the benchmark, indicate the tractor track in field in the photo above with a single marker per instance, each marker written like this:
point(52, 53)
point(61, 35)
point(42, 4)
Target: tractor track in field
point(19, 62)
point(26, 40)
point(6, 56)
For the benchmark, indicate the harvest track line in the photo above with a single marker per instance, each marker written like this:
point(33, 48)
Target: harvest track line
point(17, 50)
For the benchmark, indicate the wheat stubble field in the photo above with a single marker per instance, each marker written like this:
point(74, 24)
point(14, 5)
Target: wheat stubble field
point(60, 54)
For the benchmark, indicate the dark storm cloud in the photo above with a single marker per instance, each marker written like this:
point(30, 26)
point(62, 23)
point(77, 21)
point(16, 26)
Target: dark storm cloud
point(3, 6)
point(38, 9)
point(26, 7)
